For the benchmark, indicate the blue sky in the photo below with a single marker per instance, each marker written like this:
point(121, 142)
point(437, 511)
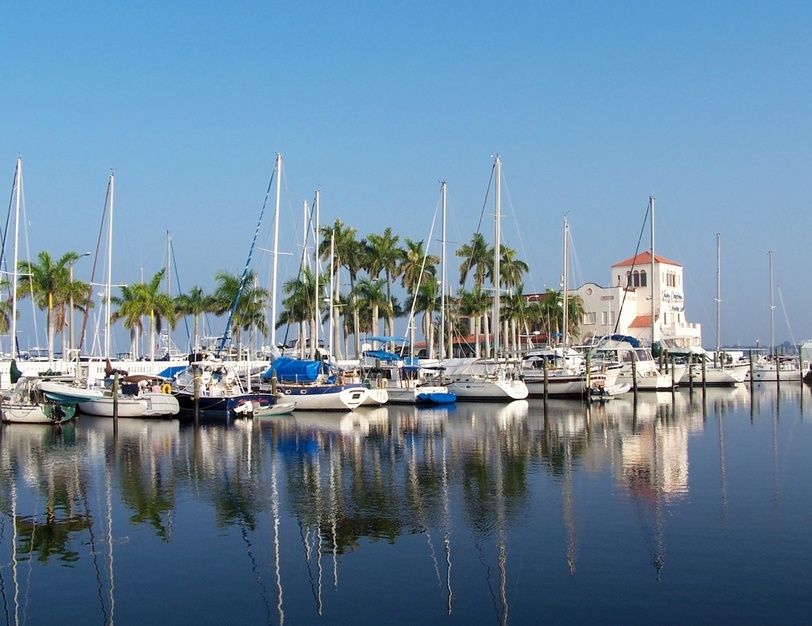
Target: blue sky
point(592, 106)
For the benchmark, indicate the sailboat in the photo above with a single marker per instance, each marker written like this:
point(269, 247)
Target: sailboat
point(725, 370)
point(772, 367)
point(494, 379)
point(562, 372)
point(213, 385)
point(26, 403)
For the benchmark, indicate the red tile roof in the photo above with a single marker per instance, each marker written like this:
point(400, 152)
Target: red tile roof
point(644, 259)
point(641, 321)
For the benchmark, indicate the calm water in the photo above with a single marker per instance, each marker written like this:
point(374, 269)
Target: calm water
point(682, 510)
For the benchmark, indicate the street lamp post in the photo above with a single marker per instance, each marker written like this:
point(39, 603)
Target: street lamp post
point(70, 346)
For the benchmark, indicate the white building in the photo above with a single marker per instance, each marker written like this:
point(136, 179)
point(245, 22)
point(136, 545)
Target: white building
point(626, 308)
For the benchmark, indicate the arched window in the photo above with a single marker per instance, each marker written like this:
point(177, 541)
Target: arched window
point(642, 278)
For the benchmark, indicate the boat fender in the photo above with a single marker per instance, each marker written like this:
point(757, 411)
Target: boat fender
point(166, 388)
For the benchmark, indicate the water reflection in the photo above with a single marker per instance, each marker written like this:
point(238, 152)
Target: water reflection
point(308, 495)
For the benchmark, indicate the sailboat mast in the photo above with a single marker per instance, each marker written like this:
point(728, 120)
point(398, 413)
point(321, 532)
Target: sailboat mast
point(496, 253)
point(772, 306)
point(108, 286)
point(718, 293)
point(332, 280)
point(275, 262)
point(653, 276)
point(565, 289)
point(316, 275)
point(18, 182)
point(305, 263)
point(442, 278)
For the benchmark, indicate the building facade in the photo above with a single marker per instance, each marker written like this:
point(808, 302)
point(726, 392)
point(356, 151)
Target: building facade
point(626, 307)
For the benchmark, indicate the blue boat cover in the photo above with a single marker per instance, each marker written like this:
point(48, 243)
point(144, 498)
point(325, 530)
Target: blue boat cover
point(383, 355)
point(293, 370)
point(632, 340)
point(170, 372)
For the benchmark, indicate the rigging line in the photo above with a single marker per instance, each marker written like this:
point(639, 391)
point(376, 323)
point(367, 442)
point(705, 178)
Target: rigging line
point(300, 283)
point(786, 317)
point(519, 233)
point(173, 260)
point(420, 281)
point(485, 200)
point(227, 332)
point(93, 269)
point(636, 252)
point(3, 259)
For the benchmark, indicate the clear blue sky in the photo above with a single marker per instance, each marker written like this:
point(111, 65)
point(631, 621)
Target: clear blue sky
point(593, 106)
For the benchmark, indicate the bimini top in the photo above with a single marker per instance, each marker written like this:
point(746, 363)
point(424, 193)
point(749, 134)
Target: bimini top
point(382, 355)
point(293, 370)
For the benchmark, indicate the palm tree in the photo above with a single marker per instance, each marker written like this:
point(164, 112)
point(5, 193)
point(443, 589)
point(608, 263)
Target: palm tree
point(5, 307)
point(300, 306)
point(48, 283)
point(515, 312)
point(371, 300)
point(250, 303)
point(474, 304)
point(384, 255)
point(476, 256)
point(145, 300)
point(426, 300)
point(194, 303)
point(347, 252)
point(511, 271)
point(575, 313)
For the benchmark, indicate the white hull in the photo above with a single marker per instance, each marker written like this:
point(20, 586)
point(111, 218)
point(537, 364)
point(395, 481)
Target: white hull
point(28, 414)
point(558, 385)
point(376, 396)
point(716, 376)
point(476, 389)
point(146, 405)
point(67, 392)
point(411, 394)
point(769, 373)
point(648, 381)
point(324, 397)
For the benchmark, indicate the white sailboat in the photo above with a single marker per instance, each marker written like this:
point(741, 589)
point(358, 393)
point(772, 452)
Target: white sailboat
point(773, 367)
point(26, 403)
point(720, 369)
point(495, 379)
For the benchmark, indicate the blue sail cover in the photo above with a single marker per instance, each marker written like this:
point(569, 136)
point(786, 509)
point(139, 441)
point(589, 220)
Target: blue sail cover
point(382, 355)
point(293, 370)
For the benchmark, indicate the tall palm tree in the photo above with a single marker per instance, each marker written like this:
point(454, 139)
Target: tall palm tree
point(575, 313)
point(372, 299)
point(384, 255)
point(474, 304)
point(47, 282)
point(511, 271)
point(476, 256)
point(348, 253)
point(5, 307)
point(194, 303)
point(145, 300)
point(426, 300)
point(250, 309)
point(515, 312)
point(300, 306)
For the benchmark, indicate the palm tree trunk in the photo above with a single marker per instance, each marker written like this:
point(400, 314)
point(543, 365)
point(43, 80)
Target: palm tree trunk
point(486, 330)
